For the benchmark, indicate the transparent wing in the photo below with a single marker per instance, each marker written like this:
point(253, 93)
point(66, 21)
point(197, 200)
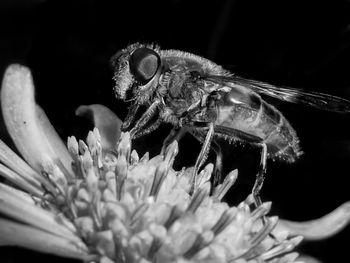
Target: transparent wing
point(310, 98)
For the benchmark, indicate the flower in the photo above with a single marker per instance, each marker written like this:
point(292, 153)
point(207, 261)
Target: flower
point(99, 201)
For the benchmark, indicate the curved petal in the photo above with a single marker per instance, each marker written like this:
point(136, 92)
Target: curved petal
point(308, 259)
point(16, 234)
point(27, 124)
point(321, 228)
point(105, 120)
point(15, 206)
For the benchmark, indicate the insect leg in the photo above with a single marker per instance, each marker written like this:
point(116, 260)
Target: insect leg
point(218, 162)
point(240, 135)
point(237, 134)
point(130, 117)
point(149, 129)
point(150, 112)
point(203, 153)
point(259, 181)
point(175, 134)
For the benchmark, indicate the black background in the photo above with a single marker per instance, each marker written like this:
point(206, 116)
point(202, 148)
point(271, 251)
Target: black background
point(67, 44)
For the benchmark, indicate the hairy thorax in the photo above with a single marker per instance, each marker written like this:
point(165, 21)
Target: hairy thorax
point(182, 94)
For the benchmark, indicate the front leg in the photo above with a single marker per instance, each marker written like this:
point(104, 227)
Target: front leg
point(153, 126)
point(130, 117)
point(145, 118)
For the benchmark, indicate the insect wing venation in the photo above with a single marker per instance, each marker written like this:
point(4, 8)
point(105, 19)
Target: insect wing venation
point(293, 95)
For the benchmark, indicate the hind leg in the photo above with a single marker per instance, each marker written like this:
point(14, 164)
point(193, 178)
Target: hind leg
point(260, 177)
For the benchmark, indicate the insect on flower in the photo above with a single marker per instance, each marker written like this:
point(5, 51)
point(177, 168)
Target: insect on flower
point(200, 97)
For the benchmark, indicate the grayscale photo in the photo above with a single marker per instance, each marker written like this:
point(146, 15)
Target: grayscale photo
point(174, 131)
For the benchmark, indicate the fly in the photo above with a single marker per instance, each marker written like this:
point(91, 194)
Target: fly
point(198, 96)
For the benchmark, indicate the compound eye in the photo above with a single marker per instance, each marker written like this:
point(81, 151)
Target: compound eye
point(144, 63)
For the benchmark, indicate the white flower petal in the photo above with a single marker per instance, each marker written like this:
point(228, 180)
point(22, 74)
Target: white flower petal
point(17, 207)
point(307, 259)
point(321, 228)
point(13, 177)
point(16, 163)
point(25, 196)
point(59, 149)
point(27, 124)
point(105, 120)
point(15, 234)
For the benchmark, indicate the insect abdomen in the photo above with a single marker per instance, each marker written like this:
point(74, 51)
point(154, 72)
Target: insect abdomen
point(282, 142)
point(263, 121)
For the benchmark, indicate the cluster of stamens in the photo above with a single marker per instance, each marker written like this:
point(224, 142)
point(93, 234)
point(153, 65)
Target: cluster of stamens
point(128, 209)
